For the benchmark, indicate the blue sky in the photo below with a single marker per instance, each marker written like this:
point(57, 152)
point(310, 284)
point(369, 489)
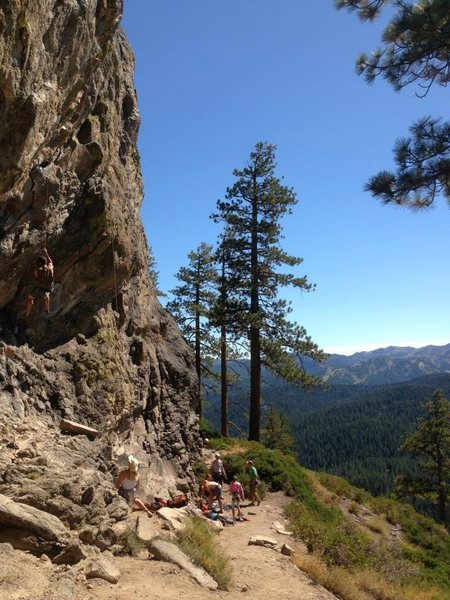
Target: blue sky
point(214, 77)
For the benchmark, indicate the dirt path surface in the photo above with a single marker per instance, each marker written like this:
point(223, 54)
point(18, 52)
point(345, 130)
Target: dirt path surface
point(260, 573)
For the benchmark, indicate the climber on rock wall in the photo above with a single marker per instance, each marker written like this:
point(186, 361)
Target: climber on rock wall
point(43, 275)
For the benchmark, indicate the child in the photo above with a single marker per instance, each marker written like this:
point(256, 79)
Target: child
point(237, 494)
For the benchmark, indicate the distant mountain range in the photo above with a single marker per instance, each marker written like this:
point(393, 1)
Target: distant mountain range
point(393, 364)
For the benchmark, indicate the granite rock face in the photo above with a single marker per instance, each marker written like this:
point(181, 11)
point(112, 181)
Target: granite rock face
point(108, 356)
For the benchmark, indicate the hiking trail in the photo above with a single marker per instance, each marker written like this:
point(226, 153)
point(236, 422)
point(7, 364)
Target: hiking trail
point(258, 572)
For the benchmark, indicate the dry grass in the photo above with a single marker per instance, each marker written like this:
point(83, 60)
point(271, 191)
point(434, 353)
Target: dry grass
point(200, 543)
point(354, 508)
point(367, 584)
point(336, 580)
point(377, 525)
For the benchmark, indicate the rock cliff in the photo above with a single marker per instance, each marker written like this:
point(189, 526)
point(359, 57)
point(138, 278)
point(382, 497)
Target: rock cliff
point(107, 356)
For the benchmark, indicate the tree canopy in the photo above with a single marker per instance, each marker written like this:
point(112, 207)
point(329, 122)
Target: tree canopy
point(430, 443)
point(416, 49)
point(251, 212)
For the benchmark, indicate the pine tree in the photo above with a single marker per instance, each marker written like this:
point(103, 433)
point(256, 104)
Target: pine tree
point(191, 308)
point(277, 434)
point(153, 273)
point(251, 212)
point(224, 316)
point(430, 443)
point(416, 50)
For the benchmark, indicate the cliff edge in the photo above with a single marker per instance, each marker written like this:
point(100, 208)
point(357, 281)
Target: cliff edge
point(107, 356)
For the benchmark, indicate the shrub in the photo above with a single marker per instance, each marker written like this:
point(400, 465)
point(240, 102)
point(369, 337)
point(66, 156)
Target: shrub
point(329, 535)
point(201, 470)
point(376, 524)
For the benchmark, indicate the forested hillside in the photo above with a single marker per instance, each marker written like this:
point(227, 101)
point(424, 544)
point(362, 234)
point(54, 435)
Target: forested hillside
point(350, 430)
point(359, 438)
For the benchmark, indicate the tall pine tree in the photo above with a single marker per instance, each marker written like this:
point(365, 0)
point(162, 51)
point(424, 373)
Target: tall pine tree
point(225, 316)
point(191, 308)
point(252, 211)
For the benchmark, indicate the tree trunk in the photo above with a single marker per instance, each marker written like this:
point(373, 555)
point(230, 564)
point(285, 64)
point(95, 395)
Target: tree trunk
point(442, 485)
point(223, 381)
point(255, 335)
point(198, 364)
point(255, 385)
point(442, 503)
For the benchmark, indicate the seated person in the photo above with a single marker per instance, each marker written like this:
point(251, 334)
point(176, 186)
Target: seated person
point(127, 484)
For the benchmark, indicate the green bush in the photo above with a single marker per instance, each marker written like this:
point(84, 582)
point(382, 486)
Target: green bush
point(430, 554)
point(221, 443)
point(329, 534)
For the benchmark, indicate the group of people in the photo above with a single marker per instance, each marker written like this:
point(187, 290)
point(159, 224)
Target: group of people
point(127, 485)
point(212, 488)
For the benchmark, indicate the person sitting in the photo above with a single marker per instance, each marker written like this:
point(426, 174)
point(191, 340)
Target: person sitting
point(217, 469)
point(43, 275)
point(127, 484)
point(214, 492)
point(237, 494)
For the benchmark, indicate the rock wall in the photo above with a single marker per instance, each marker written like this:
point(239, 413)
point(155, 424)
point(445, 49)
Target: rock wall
point(107, 355)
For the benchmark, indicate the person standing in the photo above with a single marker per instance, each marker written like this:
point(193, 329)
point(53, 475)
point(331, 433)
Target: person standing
point(253, 483)
point(217, 469)
point(237, 494)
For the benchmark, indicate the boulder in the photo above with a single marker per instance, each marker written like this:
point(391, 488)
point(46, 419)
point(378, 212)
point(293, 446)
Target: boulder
point(71, 555)
point(175, 517)
point(118, 509)
point(88, 534)
point(280, 528)
point(168, 552)
point(261, 540)
point(78, 429)
point(44, 525)
point(103, 569)
point(147, 529)
point(287, 550)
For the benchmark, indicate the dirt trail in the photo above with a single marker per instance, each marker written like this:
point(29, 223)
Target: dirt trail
point(262, 573)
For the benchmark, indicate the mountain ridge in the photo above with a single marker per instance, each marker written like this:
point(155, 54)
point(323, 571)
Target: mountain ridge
point(393, 364)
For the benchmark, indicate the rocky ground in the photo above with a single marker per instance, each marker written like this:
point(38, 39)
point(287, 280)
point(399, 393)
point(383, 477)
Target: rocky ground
point(260, 572)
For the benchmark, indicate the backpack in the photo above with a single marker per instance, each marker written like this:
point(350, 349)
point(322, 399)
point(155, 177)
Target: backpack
point(177, 501)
